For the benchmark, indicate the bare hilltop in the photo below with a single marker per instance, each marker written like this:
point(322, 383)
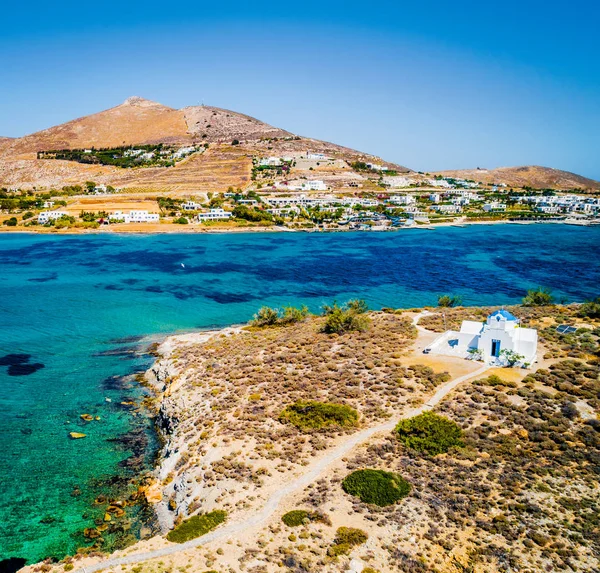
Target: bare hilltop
point(232, 140)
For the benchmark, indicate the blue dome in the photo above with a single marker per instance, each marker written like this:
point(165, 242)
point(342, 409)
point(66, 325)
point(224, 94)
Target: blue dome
point(502, 314)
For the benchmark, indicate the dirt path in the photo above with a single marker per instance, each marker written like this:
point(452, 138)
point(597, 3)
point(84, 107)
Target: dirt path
point(294, 486)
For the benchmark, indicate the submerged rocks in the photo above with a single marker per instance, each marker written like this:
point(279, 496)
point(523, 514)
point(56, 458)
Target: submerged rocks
point(12, 564)
point(77, 435)
point(20, 365)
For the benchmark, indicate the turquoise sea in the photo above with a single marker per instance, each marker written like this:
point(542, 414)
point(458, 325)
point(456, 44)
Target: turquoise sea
point(77, 312)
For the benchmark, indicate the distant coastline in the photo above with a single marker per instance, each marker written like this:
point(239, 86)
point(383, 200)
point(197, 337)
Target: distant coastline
point(167, 229)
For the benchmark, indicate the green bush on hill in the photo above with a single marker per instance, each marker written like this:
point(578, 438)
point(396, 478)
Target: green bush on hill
point(267, 316)
point(538, 297)
point(298, 517)
point(590, 309)
point(196, 526)
point(312, 415)
point(350, 316)
point(447, 301)
point(429, 433)
point(345, 539)
point(376, 486)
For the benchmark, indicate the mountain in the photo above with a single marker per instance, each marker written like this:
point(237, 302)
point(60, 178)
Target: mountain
point(529, 175)
point(139, 121)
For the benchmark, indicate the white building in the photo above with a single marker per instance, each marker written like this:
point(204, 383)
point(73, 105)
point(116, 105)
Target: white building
point(398, 181)
point(403, 199)
point(377, 167)
point(448, 209)
point(46, 216)
point(134, 216)
point(317, 156)
point(494, 206)
point(270, 162)
point(314, 185)
point(183, 151)
point(190, 206)
point(435, 197)
point(439, 183)
point(214, 215)
point(490, 341)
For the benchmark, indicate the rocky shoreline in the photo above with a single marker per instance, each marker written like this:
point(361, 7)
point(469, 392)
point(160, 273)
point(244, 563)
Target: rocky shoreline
point(161, 377)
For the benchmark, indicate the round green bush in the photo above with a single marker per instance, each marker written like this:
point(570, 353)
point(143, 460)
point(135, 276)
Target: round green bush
point(310, 415)
point(376, 486)
point(429, 433)
point(298, 517)
point(196, 526)
point(295, 518)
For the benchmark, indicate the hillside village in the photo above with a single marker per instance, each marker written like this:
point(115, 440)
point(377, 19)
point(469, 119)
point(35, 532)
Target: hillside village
point(298, 192)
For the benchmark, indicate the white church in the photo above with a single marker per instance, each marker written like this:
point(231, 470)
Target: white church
point(489, 340)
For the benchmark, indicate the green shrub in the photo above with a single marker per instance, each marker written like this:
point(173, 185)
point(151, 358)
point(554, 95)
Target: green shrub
point(376, 486)
point(311, 415)
point(448, 301)
point(196, 526)
point(298, 517)
point(267, 316)
point(590, 309)
point(429, 433)
point(295, 518)
point(345, 539)
point(538, 297)
point(351, 316)
point(181, 221)
point(494, 380)
point(12, 222)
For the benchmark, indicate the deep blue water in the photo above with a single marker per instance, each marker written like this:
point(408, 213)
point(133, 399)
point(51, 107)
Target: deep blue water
point(68, 302)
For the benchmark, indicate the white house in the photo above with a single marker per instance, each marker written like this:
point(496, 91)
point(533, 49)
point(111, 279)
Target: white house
point(448, 209)
point(435, 197)
point(214, 215)
point(191, 206)
point(183, 151)
point(314, 185)
point(439, 183)
point(494, 206)
point(398, 181)
point(270, 161)
point(402, 199)
point(491, 340)
point(46, 216)
point(134, 216)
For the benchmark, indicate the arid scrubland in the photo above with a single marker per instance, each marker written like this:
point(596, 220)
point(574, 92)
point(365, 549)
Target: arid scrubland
point(515, 489)
point(229, 431)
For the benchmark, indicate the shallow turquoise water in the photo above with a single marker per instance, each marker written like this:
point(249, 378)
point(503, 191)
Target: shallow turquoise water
point(67, 300)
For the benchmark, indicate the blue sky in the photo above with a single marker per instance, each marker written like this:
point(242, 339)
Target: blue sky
point(430, 84)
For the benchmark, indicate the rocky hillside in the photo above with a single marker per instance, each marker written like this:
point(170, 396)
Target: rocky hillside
point(528, 175)
point(138, 121)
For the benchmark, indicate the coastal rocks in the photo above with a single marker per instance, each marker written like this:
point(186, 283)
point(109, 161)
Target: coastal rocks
point(160, 374)
point(19, 364)
point(86, 417)
point(76, 435)
point(153, 492)
point(12, 564)
point(167, 419)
